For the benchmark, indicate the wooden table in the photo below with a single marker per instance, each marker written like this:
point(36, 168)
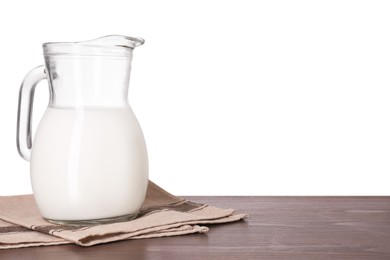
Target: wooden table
point(278, 228)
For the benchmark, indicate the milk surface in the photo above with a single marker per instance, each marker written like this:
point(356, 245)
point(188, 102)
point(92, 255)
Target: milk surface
point(88, 164)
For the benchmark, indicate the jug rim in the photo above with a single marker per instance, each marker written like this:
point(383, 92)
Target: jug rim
point(111, 45)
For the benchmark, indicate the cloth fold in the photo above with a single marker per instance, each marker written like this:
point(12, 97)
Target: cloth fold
point(162, 214)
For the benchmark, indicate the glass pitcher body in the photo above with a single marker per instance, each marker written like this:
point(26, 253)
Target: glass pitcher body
point(88, 160)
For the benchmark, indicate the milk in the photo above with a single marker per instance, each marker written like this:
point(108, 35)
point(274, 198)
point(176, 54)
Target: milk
point(88, 164)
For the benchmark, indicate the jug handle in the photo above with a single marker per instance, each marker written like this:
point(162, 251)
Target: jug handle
point(25, 109)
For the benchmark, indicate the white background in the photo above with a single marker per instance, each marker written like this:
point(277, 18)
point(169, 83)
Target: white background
point(234, 97)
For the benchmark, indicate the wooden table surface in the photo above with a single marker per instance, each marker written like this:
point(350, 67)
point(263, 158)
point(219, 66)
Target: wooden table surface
point(278, 228)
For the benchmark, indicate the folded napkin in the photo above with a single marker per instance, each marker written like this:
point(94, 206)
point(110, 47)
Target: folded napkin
point(162, 214)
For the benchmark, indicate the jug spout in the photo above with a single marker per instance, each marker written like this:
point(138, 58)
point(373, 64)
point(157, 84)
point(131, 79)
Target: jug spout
point(116, 40)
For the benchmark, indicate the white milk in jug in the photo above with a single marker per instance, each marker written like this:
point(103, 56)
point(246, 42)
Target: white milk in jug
point(98, 164)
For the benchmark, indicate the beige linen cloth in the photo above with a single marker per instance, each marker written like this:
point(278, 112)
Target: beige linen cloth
point(162, 214)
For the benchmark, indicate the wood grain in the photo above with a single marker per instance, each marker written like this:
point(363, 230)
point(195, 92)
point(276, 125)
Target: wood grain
point(278, 228)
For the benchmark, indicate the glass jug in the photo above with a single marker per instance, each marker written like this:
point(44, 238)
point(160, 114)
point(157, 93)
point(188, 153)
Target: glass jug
point(88, 160)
